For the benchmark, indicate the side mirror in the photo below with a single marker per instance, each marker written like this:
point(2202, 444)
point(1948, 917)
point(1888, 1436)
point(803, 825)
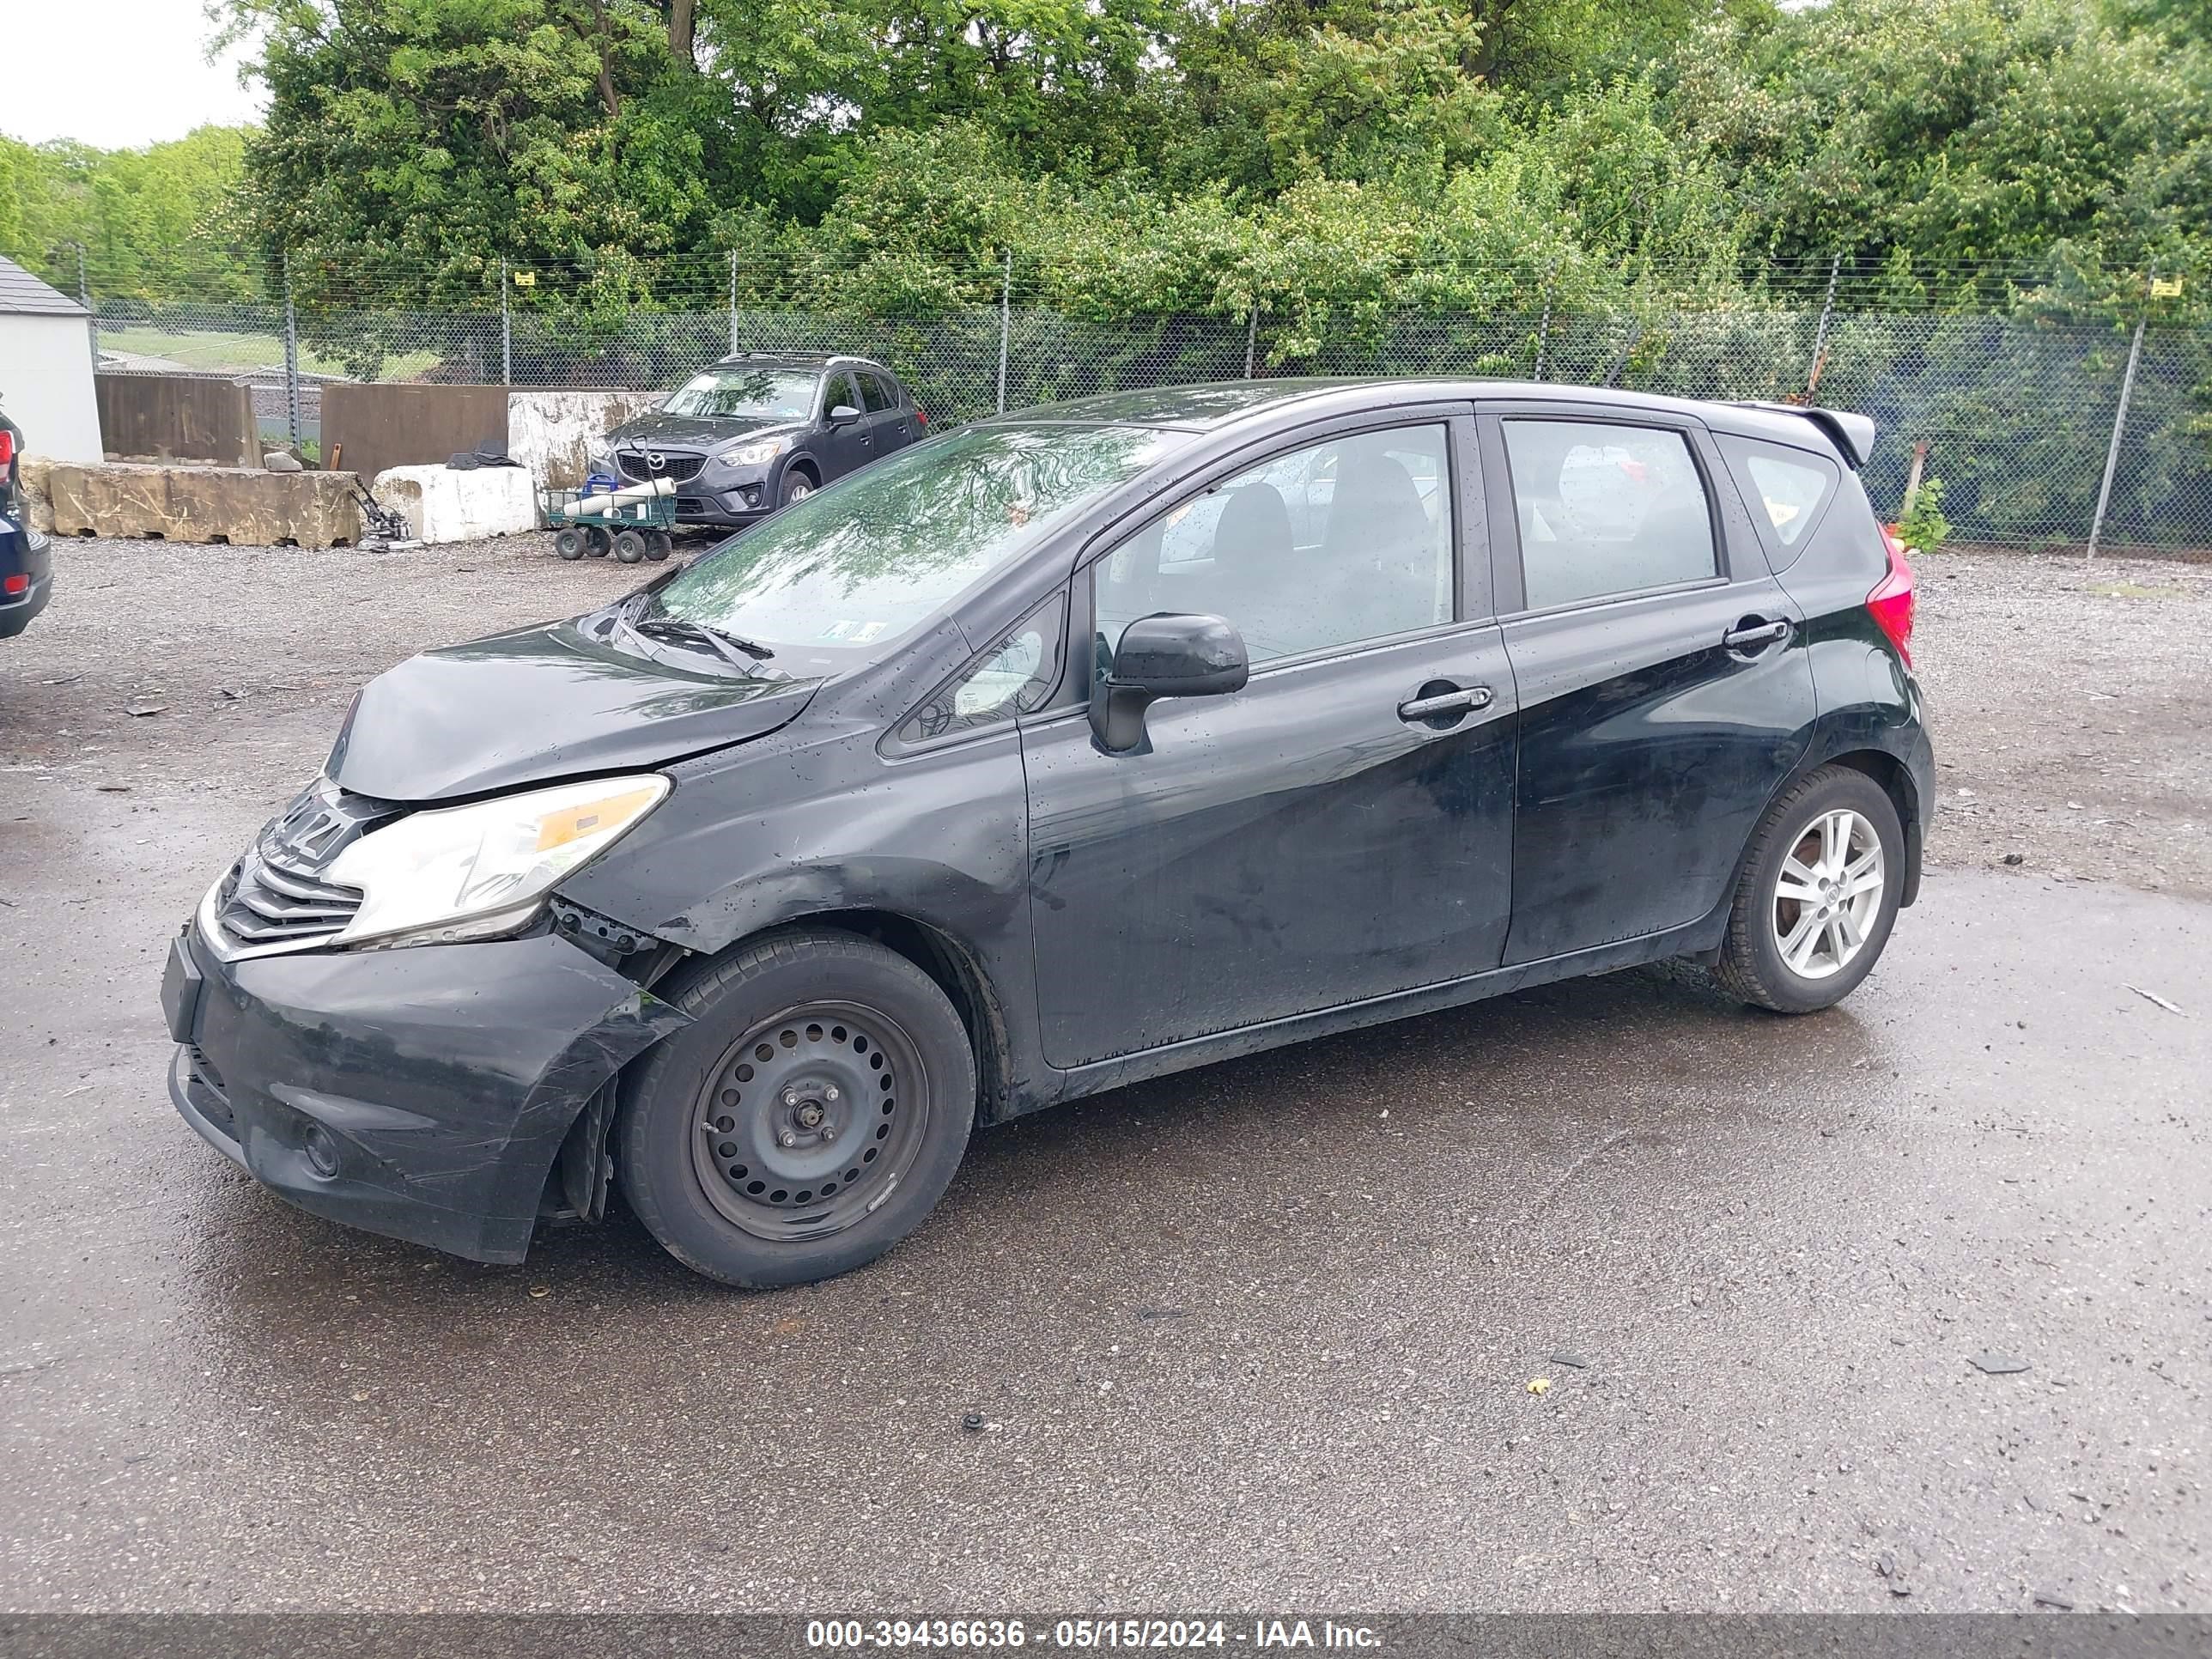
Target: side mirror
point(1165, 656)
point(843, 414)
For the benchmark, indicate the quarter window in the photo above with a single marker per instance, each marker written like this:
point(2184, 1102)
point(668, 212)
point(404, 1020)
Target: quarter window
point(1606, 509)
point(1790, 491)
point(1014, 679)
point(1326, 546)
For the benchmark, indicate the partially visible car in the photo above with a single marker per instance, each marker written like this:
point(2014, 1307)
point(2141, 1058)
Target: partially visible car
point(760, 430)
point(27, 570)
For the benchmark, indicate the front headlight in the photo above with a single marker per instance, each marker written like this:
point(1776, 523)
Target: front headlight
point(758, 453)
point(463, 872)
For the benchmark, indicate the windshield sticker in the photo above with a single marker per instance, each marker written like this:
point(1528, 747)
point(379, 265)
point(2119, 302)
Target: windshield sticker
point(841, 628)
point(867, 631)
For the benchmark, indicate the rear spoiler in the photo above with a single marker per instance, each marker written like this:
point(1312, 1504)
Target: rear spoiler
point(1853, 434)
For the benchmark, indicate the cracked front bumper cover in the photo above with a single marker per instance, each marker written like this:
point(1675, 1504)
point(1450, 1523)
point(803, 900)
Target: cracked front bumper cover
point(419, 1093)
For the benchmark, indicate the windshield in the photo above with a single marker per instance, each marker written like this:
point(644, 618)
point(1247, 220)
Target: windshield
point(782, 394)
point(852, 568)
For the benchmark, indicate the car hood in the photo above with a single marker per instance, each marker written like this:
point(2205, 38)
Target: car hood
point(537, 705)
point(688, 431)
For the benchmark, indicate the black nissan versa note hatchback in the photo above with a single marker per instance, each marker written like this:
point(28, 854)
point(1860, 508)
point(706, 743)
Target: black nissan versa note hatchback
point(1070, 748)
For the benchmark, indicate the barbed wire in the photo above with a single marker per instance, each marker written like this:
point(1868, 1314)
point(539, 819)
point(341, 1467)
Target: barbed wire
point(211, 273)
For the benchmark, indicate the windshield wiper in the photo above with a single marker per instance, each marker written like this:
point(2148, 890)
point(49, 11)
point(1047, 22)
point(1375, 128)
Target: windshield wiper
point(722, 638)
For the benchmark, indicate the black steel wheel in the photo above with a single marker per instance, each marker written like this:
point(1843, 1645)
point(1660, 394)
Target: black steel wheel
point(807, 1120)
point(568, 542)
point(596, 541)
point(802, 1126)
point(630, 546)
point(658, 543)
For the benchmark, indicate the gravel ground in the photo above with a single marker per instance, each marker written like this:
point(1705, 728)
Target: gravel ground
point(2071, 703)
point(1264, 1333)
point(2072, 707)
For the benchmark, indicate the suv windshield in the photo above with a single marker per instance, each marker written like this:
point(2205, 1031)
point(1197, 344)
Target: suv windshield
point(851, 568)
point(784, 394)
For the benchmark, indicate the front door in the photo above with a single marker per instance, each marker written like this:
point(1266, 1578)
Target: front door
point(1666, 692)
point(1337, 831)
point(851, 445)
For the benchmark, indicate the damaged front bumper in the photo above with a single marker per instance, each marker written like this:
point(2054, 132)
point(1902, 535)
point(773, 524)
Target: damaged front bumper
point(421, 1093)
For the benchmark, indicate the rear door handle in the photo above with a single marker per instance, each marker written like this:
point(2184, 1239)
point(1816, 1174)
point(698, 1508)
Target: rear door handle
point(1753, 632)
point(1447, 702)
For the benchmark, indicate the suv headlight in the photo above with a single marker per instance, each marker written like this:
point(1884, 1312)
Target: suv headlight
point(461, 872)
point(757, 451)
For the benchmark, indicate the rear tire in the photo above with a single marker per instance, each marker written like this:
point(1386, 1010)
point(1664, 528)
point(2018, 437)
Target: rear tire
point(630, 546)
point(658, 543)
point(808, 1119)
point(1818, 895)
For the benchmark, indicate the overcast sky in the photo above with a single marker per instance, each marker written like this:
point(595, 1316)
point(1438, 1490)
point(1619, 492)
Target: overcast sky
point(114, 72)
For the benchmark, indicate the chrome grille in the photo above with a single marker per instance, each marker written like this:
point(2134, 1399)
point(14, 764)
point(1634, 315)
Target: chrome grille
point(641, 464)
point(277, 894)
point(263, 902)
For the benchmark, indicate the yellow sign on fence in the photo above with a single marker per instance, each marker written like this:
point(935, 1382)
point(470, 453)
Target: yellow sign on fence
point(2166, 288)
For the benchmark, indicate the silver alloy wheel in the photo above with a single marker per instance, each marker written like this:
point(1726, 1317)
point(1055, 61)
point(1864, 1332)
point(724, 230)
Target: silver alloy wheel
point(1827, 894)
point(798, 491)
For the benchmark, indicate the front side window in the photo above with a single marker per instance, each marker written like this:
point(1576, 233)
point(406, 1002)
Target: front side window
point(779, 394)
point(841, 394)
point(1606, 509)
point(832, 579)
point(1340, 542)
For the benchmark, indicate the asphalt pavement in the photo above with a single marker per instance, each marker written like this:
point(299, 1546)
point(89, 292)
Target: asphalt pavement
point(1610, 1296)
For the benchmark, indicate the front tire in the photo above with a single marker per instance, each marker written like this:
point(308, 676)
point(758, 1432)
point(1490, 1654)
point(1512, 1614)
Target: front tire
point(1818, 895)
point(809, 1118)
point(797, 486)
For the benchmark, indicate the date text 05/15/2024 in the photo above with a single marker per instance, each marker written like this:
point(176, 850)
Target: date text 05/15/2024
point(988, 1634)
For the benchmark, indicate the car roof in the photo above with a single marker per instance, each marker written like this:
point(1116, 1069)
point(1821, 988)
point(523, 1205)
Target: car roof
point(1213, 406)
point(816, 361)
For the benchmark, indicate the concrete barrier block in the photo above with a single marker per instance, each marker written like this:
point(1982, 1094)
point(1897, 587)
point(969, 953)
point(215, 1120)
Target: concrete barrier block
point(34, 473)
point(552, 432)
point(446, 506)
point(204, 504)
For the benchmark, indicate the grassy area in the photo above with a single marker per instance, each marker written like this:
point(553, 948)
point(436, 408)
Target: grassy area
point(219, 348)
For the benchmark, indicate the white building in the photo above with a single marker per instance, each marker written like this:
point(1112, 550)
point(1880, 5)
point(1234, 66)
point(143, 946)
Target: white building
point(46, 368)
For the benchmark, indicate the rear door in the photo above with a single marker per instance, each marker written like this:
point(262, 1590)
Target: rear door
point(891, 422)
point(1337, 831)
point(1663, 680)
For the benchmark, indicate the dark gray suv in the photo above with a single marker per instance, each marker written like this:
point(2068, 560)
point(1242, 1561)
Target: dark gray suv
point(760, 430)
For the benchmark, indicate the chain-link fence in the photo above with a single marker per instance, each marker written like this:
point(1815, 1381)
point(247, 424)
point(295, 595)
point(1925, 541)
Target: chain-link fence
point(2017, 417)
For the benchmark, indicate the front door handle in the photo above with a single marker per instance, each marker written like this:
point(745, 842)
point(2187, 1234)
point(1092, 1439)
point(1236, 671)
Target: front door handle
point(1752, 632)
point(1445, 703)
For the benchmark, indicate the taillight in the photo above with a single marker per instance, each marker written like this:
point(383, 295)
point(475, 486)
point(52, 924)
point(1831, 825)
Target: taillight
point(15, 583)
point(1891, 602)
point(7, 447)
point(921, 417)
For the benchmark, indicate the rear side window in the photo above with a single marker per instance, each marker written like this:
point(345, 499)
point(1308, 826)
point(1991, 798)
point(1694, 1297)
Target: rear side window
point(1607, 509)
point(878, 394)
point(1790, 491)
